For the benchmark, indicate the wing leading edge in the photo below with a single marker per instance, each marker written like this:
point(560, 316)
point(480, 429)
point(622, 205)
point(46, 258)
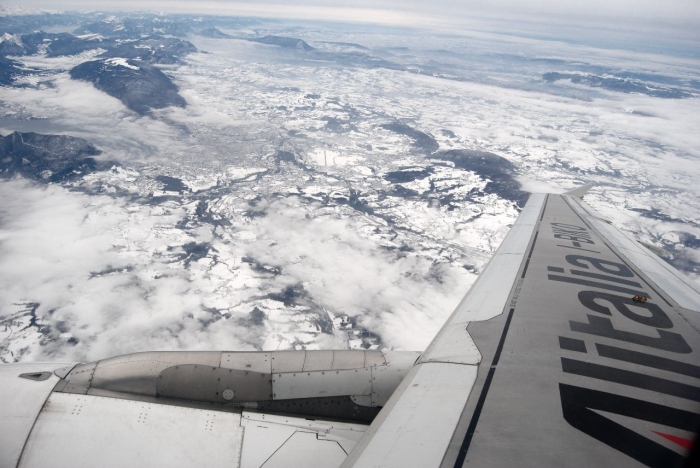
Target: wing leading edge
point(574, 348)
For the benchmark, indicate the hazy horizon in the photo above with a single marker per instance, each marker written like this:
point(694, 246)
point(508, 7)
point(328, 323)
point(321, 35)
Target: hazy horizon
point(440, 13)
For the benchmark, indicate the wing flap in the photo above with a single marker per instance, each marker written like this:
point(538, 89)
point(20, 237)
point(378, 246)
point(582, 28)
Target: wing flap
point(419, 420)
point(282, 441)
point(84, 430)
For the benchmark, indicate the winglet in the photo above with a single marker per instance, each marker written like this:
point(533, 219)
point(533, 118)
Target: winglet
point(579, 192)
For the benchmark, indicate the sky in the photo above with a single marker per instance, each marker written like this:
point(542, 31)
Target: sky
point(436, 13)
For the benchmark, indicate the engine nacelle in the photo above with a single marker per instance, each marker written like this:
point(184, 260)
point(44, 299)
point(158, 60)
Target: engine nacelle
point(350, 384)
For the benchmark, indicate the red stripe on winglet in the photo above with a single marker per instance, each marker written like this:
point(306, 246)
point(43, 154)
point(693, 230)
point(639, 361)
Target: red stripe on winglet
point(685, 443)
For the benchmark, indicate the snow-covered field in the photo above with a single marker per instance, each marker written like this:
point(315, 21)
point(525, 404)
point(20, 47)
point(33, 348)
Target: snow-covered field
point(303, 219)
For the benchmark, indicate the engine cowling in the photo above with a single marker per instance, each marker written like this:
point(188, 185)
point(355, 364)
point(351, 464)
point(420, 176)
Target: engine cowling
point(350, 384)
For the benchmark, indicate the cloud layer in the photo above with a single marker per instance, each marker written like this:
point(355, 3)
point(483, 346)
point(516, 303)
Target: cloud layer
point(265, 251)
point(107, 280)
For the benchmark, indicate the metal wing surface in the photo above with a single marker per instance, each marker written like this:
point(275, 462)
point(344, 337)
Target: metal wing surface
point(191, 409)
point(576, 346)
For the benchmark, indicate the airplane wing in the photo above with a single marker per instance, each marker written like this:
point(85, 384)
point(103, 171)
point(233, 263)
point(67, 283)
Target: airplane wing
point(577, 346)
point(192, 409)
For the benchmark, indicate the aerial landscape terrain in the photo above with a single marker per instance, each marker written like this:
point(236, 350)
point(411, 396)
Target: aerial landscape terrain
point(196, 182)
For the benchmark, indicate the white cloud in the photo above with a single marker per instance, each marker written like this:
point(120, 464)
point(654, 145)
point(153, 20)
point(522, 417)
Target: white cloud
point(79, 109)
point(403, 297)
point(102, 273)
point(51, 240)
